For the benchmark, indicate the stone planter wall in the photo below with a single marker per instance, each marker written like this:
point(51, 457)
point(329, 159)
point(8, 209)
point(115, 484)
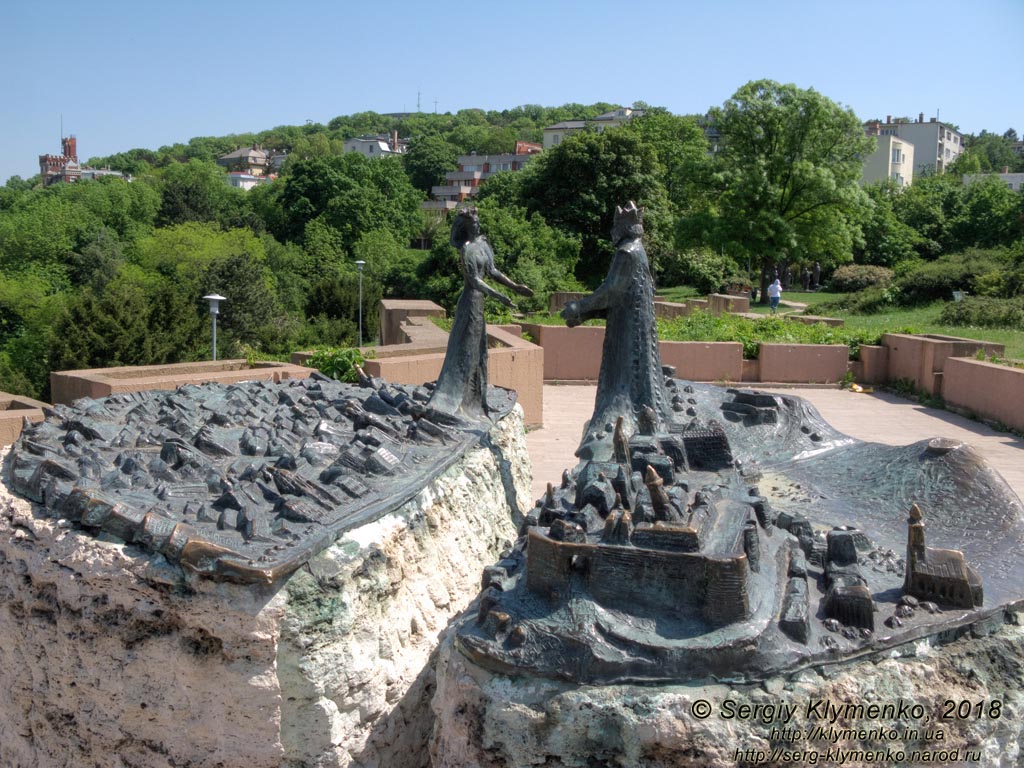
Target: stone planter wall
point(803, 363)
point(394, 312)
point(704, 361)
point(985, 389)
point(718, 303)
point(921, 359)
point(14, 409)
point(68, 386)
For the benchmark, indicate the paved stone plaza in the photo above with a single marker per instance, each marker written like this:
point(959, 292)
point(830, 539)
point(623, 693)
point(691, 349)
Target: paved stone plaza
point(879, 417)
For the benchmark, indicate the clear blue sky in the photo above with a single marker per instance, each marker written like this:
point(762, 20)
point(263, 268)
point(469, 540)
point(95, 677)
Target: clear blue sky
point(135, 73)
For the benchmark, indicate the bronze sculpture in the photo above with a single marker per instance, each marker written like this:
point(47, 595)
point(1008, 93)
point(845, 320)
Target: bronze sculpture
point(659, 558)
point(631, 374)
point(462, 386)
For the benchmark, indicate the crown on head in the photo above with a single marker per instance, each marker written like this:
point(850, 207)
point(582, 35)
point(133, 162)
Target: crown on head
point(629, 214)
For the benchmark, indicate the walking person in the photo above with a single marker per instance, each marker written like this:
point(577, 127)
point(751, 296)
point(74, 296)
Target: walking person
point(774, 295)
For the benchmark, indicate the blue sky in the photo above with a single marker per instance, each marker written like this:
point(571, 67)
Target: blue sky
point(136, 73)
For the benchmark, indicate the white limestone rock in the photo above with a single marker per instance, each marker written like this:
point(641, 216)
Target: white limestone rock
point(492, 721)
point(112, 657)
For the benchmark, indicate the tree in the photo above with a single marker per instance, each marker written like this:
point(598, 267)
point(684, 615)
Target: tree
point(988, 217)
point(678, 143)
point(388, 263)
point(531, 252)
point(429, 158)
point(353, 194)
point(887, 240)
point(97, 263)
point(194, 191)
point(929, 206)
point(783, 186)
point(993, 152)
point(334, 302)
point(576, 186)
point(250, 286)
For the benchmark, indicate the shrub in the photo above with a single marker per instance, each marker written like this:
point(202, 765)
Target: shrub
point(702, 326)
point(938, 279)
point(707, 271)
point(866, 302)
point(985, 312)
point(857, 277)
point(338, 363)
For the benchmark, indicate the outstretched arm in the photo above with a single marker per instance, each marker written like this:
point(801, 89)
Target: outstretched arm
point(604, 296)
point(488, 291)
point(496, 274)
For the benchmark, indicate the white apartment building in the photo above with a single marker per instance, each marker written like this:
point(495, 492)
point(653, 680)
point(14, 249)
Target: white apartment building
point(936, 144)
point(892, 160)
point(555, 134)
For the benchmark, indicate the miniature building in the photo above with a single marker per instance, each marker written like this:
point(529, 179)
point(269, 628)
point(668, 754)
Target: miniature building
point(707, 447)
point(653, 556)
point(848, 599)
point(668, 579)
point(940, 575)
point(758, 407)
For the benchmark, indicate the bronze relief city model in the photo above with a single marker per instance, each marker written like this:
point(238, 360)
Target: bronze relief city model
point(705, 531)
point(733, 533)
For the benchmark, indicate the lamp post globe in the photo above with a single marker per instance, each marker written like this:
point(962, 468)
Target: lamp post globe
point(214, 299)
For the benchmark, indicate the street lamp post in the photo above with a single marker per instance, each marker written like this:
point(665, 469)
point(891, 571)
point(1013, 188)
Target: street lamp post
point(215, 300)
point(360, 264)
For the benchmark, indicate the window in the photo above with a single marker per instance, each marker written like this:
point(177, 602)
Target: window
point(897, 155)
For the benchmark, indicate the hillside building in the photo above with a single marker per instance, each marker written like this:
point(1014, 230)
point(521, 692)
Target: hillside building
point(473, 170)
point(556, 134)
point(377, 146)
point(892, 160)
point(936, 144)
point(65, 168)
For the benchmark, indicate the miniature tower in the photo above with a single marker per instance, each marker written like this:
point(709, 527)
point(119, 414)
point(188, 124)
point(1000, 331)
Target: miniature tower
point(916, 550)
point(620, 443)
point(659, 498)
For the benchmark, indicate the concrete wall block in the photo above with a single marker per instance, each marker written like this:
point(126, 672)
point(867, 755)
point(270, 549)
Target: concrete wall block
point(803, 363)
point(989, 390)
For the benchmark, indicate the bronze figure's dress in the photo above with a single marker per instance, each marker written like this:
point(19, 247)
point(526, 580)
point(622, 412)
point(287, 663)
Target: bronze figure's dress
point(462, 386)
point(631, 375)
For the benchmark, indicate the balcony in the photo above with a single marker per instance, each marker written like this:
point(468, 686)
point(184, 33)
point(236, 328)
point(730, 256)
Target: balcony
point(451, 190)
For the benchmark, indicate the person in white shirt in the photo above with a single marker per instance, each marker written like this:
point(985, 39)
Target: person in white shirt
point(774, 295)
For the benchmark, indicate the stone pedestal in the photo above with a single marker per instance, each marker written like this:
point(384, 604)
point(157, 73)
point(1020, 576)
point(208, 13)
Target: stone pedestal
point(492, 721)
point(113, 657)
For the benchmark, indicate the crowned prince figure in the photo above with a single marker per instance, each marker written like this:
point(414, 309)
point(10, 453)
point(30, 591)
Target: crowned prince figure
point(631, 375)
